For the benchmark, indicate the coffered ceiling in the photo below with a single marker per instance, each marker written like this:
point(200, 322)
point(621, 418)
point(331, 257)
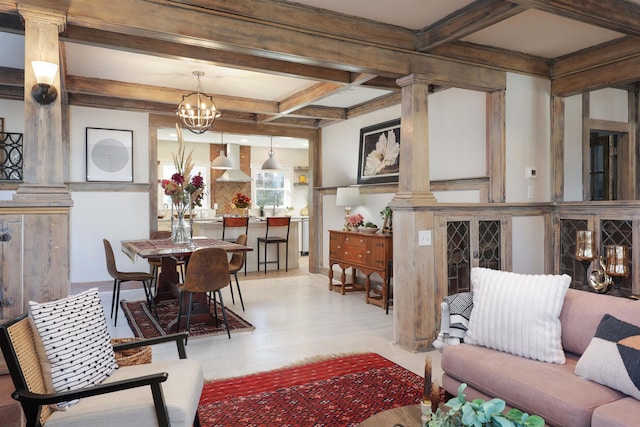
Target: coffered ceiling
point(287, 66)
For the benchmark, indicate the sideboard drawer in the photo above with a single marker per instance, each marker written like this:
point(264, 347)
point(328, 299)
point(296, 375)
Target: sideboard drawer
point(355, 254)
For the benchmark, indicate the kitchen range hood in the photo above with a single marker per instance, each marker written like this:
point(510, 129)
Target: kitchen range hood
point(235, 174)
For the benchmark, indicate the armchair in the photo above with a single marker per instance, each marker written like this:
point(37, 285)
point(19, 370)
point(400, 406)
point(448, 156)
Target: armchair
point(137, 395)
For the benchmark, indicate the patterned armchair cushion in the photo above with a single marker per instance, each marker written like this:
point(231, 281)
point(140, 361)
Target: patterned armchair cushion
point(74, 346)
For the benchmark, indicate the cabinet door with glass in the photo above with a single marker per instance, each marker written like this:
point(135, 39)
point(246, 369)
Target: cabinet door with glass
point(468, 243)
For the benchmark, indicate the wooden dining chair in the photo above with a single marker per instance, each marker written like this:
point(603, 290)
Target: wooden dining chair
point(234, 222)
point(125, 276)
point(208, 272)
point(237, 261)
point(275, 222)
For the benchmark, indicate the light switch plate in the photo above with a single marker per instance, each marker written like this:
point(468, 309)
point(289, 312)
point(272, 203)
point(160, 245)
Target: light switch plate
point(424, 238)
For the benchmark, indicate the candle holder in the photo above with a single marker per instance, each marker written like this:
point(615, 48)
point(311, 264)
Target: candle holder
point(617, 257)
point(585, 253)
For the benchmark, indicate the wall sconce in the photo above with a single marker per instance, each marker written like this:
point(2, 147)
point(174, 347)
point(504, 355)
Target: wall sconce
point(347, 197)
point(43, 92)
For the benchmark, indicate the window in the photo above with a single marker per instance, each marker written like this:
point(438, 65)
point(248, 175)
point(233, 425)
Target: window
point(604, 165)
point(271, 188)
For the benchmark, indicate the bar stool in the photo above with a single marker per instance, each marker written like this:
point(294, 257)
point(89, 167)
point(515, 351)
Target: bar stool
point(235, 222)
point(275, 221)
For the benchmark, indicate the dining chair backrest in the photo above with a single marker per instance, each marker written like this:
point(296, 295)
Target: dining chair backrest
point(208, 270)
point(111, 259)
point(235, 221)
point(237, 258)
point(160, 234)
point(278, 221)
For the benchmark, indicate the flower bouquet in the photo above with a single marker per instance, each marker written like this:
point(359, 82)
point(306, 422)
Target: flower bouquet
point(185, 191)
point(241, 201)
point(355, 221)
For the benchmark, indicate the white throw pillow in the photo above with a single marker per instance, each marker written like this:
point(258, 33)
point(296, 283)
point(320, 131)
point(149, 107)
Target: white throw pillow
point(74, 345)
point(518, 313)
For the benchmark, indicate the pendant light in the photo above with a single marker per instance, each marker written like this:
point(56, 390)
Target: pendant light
point(222, 161)
point(271, 163)
point(197, 110)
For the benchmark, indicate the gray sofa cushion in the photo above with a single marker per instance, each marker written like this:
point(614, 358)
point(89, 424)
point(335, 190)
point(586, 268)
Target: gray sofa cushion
point(550, 390)
point(582, 312)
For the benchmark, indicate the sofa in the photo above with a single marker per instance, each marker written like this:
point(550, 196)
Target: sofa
point(553, 390)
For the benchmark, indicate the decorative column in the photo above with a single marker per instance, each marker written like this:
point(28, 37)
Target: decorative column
point(43, 148)
point(414, 296)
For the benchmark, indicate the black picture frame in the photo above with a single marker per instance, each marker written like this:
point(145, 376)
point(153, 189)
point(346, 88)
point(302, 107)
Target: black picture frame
point(109, 155)
point(373, 159)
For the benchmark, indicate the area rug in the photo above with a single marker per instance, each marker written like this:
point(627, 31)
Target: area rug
point(144, 324)
point(342, 391)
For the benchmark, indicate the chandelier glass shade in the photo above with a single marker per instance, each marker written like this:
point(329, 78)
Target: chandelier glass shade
point(197, 110)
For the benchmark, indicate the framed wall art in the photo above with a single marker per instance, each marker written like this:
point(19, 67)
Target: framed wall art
point(109, 155)
point(379, 158)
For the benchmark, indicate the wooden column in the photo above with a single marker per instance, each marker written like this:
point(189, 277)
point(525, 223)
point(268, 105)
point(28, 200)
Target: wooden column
point(43, 146)
point(496, 145)
point(557, 149)
point(414, 293)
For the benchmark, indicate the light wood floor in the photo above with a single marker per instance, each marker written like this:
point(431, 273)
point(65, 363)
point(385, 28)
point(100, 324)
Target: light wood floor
point(296, 318)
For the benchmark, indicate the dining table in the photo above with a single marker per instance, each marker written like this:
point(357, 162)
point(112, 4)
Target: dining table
point(170, 253)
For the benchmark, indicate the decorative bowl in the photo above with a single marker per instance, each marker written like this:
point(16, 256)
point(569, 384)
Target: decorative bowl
point(368, 230)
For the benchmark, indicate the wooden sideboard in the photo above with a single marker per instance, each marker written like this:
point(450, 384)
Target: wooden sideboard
point(368, 253)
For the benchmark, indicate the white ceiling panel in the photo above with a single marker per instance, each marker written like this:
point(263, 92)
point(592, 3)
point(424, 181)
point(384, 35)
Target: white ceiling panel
point(178, 74)
point(542, 34)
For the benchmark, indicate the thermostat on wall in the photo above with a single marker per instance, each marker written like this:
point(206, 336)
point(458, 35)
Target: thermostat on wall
point(530, 172)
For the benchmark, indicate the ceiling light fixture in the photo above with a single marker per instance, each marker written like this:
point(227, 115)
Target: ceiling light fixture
point(222, 161)
point(197, 110)
point(271, 163)
point(43, 92)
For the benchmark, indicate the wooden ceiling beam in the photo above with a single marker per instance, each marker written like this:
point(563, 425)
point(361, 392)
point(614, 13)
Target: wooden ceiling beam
point(173, 22)
point(615, 15)
point(309, 20)
point(467, 20)
point(161, 95)
point(605, 53)
point(11, 77)
point(494, 57)
point(377, 104)
point(607, 75)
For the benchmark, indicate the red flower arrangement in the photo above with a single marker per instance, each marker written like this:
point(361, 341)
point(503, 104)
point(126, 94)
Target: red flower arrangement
point(241, 201)
point(355, 220)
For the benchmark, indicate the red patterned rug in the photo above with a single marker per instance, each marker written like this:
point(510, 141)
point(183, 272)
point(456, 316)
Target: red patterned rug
point(342, 391)
point(144, 324)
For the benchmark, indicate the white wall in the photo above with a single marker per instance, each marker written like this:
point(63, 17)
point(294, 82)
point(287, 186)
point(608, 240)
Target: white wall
point(573, 148)
point(528, 245)
point(113, 215)
point(609, 104)
point(528, 130)
point(457, 124)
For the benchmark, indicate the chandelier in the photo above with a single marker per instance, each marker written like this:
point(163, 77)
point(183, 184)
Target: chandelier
point(197, 110)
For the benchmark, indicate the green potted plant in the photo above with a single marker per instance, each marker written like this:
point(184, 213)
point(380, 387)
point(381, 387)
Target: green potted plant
point(478, 413)
point(386, 214)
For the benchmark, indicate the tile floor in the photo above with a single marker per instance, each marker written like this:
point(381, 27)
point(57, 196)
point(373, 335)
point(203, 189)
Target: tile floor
point(296, 318)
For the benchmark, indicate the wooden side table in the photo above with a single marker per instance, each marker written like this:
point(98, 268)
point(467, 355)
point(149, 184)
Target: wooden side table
point(369, 253)
point(406, 416)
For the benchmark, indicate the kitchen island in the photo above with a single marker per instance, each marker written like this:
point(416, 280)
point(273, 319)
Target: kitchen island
point(212, 227)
